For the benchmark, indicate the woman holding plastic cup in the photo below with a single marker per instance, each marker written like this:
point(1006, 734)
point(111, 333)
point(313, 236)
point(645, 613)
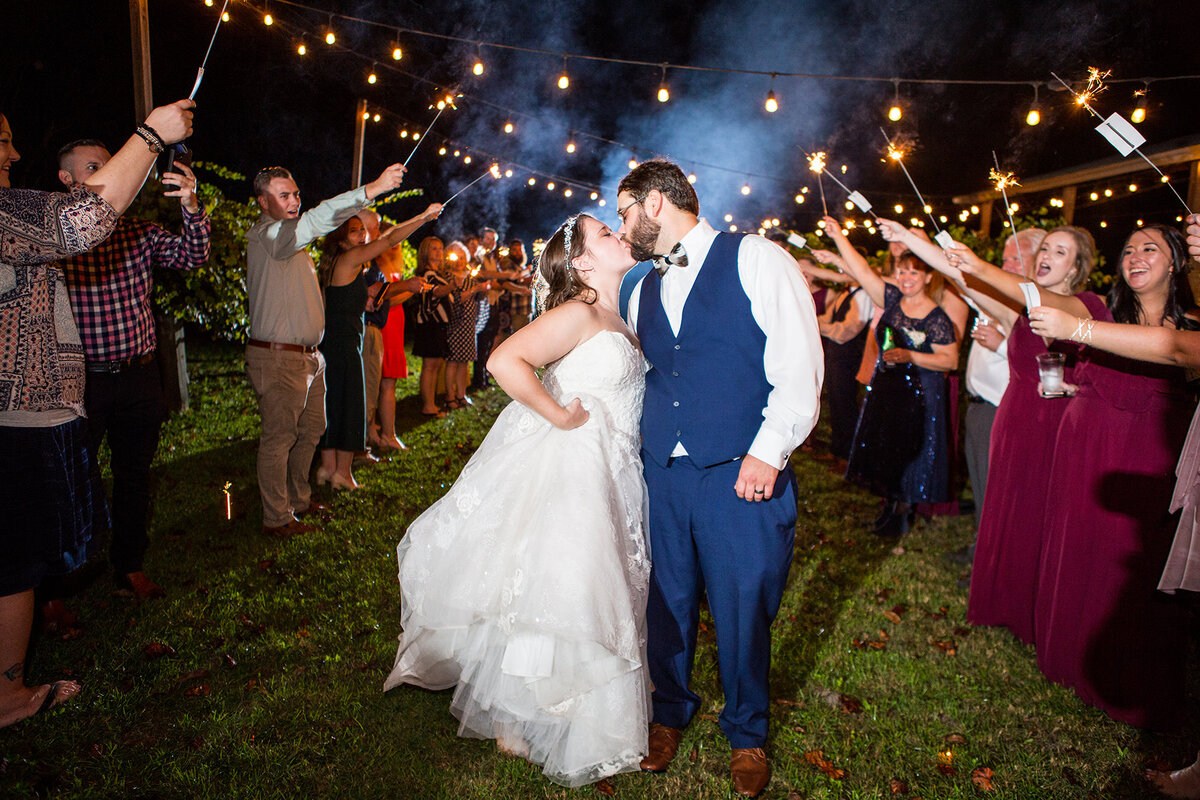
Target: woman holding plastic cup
point(1101, 626)
point(1004, 579)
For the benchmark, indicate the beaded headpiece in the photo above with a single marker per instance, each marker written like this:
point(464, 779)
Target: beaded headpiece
point(568, 232)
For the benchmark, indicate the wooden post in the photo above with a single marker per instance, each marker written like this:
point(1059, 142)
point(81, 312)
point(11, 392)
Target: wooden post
point(360, 132)
point(985, 217)
point(139, 30)
point(1068, 199)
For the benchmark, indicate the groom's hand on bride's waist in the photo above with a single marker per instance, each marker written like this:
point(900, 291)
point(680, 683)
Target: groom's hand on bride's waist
point(756, 480)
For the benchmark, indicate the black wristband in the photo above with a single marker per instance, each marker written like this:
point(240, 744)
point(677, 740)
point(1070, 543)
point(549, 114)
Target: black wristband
point(151, 138)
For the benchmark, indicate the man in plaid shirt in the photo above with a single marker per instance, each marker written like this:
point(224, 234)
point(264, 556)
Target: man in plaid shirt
point(110, 289)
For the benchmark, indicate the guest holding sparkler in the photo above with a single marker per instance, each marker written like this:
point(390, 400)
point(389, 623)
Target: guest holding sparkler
point(900, 444)
point(1008, 547)
point(432, 321)
point(45, 492)
point(464, 313)
point(345, 253)
point(1100, 626)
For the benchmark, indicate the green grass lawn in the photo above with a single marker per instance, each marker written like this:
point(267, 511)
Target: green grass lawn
point(271, 686)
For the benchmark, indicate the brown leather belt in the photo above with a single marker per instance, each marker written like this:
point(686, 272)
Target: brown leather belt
point(295, 348)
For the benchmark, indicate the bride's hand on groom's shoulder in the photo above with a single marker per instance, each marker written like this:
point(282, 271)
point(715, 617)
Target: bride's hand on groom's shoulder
point(574, 415)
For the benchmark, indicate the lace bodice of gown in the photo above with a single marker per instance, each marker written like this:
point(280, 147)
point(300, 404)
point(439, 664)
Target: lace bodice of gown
point(605, 372)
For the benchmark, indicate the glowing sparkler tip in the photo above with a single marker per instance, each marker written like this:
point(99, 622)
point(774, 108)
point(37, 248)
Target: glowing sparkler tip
point(816, 162)
point(1002, 180)
point(495, 170)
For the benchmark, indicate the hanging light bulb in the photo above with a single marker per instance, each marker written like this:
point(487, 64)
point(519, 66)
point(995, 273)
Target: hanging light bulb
point(550, 186)
point(567, 193)
point(268, 19)
point(691, 177)
point(372, 77)
point(404, 133)
point(799, 199)
point(1139, 112)
point(366, 115)
point(563, 80)
point(224, 16)
point(478, 68)
point(571, 143)
point(601, 202)
point(594, 195)
point(397, 53)
point(208, 3)
point(745, 188)
point(532, 181)
point(301, 49)
point(508, 126)
point(466, 159)
point(895, 112)
point(416, 136)
point(1035, 115)
point(632, 163)
point(508, 173)
point(771, 105)
point(663, 93)
point(330, 38)
point(375, 118)
point(729, 217)
point(441, 151)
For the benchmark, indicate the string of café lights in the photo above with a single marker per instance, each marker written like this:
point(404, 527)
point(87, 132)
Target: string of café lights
point(771, 105)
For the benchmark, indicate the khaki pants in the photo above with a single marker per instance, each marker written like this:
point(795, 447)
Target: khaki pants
point(291, 401)
point(372, 369)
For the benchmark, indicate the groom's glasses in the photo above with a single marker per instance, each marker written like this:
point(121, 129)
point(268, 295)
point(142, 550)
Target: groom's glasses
point(622, 211)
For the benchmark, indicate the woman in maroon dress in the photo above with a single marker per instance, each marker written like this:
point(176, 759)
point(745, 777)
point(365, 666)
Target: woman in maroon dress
point(1101, 626)
point(1004, 579)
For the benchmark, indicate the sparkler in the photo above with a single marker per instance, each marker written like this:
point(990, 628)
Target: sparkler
point(1002, 181)
point(1116, 129)
point(442, 104)
point(896, 153)
point(816, 162)
point(228, 501)
point(493, 170)
point(200, 72)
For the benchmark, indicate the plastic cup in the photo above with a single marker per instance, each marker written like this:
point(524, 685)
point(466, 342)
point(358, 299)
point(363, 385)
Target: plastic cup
point(1050, 370)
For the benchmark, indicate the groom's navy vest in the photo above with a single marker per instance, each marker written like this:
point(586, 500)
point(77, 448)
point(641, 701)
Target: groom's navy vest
point(707, 387)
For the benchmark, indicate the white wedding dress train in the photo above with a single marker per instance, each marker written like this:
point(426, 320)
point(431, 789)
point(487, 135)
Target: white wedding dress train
point(525, 585)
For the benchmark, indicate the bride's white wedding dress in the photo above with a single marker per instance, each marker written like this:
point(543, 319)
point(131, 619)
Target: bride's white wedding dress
point(526, 584)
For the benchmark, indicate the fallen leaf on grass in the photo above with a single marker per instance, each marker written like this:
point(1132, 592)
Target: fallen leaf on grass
point(201, 690)
point(818, 760)
point(982, 778)
point(605, 788)
point(946, 646)
point(193, 675)
point(851, 705)
point(892, 617)
point(956, 738)
point(695, 754)
point(158, 650)
point(899, 786)
point(946, 769)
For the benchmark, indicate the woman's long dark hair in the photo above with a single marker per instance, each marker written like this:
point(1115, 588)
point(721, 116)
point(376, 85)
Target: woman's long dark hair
point(331, 249)
point(1127, 307)
point(553, 265)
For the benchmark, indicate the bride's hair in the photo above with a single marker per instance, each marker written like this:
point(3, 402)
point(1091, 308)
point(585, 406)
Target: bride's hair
point(562, 281)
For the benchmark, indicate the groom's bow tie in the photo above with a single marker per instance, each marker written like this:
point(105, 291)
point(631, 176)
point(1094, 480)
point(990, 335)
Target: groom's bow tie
point(676, 258)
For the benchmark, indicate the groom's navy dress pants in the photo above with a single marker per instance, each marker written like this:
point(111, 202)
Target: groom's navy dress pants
point(705, 539)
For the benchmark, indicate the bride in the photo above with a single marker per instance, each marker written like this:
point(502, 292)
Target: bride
point(525, 586)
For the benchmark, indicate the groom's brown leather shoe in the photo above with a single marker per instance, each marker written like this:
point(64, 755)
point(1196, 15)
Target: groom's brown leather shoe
point(750, 770)
point(662, 746)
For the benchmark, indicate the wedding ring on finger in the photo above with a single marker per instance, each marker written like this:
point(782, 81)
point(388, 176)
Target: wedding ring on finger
point(760, 491)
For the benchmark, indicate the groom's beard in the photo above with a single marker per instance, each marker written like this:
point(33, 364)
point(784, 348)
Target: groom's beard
point(643, 238)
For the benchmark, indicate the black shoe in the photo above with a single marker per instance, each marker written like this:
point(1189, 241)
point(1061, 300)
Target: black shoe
point(963, 555)
point(894, 527)
point(885, 514)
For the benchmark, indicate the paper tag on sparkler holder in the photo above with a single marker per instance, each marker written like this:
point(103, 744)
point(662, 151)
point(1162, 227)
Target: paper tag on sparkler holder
point(1033, 298)
point(863, 204)
point(797, 240)
point(1121, 134)
point(944, 240)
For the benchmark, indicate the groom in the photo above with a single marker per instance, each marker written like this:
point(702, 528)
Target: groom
point(729, 328)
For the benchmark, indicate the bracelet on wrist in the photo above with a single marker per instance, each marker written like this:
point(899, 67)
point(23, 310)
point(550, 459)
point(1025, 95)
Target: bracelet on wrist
point(151, 138)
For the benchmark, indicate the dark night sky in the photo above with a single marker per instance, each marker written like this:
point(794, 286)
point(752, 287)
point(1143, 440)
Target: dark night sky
point(65, 72)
